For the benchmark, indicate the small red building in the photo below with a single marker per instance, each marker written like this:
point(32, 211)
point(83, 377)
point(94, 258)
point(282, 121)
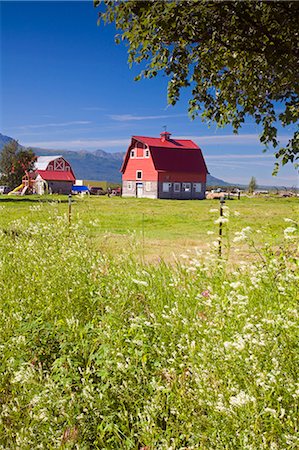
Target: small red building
point(53, 174)
point(164, 168)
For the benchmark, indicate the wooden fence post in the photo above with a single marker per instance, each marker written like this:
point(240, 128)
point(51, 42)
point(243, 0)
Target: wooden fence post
point(70, 208)
point(222, 201)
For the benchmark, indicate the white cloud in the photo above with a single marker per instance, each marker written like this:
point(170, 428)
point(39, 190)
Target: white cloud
point(237, 157)
point(59, 124)
point(265, 180)
point(232, 139)
point(131, 117)
point(88, 144)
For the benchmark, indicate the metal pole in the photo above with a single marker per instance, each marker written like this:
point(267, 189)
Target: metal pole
point(70, 208)
point(222, 201)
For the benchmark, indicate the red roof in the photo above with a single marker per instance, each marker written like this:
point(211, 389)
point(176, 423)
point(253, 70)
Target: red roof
point(168, 143)
point(55, 175)
point(172, 155)
point(174, 160)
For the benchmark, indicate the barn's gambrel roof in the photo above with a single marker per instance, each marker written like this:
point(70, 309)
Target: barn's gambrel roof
point(42, 162)
point(167, 143)
point(54, 175)
point(171, 155)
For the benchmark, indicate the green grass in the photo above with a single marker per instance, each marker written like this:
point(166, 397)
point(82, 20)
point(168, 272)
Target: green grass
point(102, 350)
point(157, 228)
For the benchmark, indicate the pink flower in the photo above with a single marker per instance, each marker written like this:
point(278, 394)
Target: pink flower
point(205, 293)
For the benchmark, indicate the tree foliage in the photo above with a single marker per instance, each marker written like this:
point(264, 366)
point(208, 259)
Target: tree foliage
point(240, 58)
point(252, 185)
point(15, 161)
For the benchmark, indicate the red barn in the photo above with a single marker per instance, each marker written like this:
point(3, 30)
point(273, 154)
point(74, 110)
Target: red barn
point(163, 168)
point(53, 174)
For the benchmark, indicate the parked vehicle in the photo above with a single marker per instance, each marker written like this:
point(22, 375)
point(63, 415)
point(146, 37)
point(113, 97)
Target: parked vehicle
point(4, 189)
point(80, 189)
point(97, 190)
point(116, 191)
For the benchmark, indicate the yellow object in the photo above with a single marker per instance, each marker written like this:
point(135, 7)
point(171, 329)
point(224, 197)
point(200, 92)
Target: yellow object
point(16, 189)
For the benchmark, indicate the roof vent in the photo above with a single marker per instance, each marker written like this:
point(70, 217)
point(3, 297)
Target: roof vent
point(164, 136)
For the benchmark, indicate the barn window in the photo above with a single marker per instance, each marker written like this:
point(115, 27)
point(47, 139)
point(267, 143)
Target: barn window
point(139, 174)
point(146, 153)
point(50, 167)
point(187, 187)
point(130, 185)
point(148, 186)
point(139, 145)
point(197, 187)
point(177, 187)
point(132, 154)
point(166, 187)
point(59, 164)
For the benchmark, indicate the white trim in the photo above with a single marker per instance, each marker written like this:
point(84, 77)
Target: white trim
point(166, 186)
point(176, 187)
point(197, 187)
point(139, 178)
point(186, 187)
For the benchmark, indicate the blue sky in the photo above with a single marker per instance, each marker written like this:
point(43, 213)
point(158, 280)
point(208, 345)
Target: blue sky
point(65, 84)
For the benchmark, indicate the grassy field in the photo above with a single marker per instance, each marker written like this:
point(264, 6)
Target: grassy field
point(157, 228)
point(105, 345)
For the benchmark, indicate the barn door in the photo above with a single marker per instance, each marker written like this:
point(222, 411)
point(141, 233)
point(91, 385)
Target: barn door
point(139, 190)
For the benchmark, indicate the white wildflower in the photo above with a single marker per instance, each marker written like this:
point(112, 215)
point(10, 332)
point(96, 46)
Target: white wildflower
point(241, 399)
point(221, 219)
point(235, 285)
point(288, 233)
point(35, 400)
point(273, 446)
point(239, 344)
point(242, 299)
point(271, 411)
point(184, 256)
point(282, 413)
point(24, 375)
point(140, 282)
point(191, 269)
point(242, 235)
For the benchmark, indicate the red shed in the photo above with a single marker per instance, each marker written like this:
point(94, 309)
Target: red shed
point(164, 168)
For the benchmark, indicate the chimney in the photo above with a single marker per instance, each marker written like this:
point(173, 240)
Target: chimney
point(164, 136)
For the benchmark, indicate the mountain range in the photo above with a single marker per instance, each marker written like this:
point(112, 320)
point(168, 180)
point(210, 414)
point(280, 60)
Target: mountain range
point(96, 165)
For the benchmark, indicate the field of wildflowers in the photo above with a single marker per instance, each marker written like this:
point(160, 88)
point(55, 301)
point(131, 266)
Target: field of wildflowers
point(110, 351)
